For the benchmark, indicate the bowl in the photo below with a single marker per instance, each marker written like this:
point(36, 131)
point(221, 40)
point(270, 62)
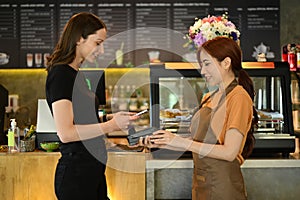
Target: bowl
point(49, 146)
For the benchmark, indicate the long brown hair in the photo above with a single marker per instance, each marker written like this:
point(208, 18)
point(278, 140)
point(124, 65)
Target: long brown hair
point(220, 48)
point(80, 25)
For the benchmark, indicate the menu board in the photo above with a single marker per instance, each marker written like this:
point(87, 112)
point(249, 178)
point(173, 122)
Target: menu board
point(259, 24)
point(9, 32)
point(30, 29)
point(184, 13)
point(68, 8)
point(8, 21)
point(37, 32)
point(118, 18)
point(37, 26)
point(147, 16)
point(262, 31)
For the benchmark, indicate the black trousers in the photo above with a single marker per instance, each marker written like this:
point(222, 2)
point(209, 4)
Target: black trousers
point(80, 176)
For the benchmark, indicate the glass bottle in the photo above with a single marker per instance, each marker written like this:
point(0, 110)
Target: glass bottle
point(123, 105)
point(13, 137)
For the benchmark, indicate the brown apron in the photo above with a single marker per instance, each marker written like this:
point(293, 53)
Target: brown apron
point(214, 179)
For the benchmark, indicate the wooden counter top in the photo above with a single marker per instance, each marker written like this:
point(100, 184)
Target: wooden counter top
point(34, 153)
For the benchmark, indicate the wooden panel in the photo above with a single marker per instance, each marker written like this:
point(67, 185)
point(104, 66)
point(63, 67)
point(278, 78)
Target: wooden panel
point(27, 176)
point(30, 176)
point(126, 176)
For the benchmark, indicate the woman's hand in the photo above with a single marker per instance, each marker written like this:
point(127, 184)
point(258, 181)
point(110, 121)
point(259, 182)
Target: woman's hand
point(121, 120)
point(139, 146)
point(109, 116)
point(165, 139)
point(162, 138)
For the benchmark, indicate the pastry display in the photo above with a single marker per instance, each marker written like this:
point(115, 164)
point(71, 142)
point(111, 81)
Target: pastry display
point(174, 115)
point(264, 115)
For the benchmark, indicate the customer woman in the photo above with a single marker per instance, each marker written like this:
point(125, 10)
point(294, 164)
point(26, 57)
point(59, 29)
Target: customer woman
point(80, 172)
point(222, 128)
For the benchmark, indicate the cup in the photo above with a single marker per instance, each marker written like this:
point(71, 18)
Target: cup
point(38, 59)
point(46, 55)
point(119, 57)
point(153, 56)
point(4, 58)
point(29, 59)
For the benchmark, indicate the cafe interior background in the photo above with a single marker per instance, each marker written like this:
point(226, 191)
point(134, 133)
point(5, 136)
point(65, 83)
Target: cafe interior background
point(26, 84)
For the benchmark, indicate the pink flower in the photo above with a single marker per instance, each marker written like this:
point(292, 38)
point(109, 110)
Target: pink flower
point(210, 27)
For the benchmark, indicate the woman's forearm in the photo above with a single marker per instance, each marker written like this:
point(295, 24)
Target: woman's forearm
point(83, 132)
point(227, 151)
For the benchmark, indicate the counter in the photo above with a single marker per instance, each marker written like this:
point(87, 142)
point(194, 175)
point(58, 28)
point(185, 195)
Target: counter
point(136, 175)
point(30, 175)
point(265, 178)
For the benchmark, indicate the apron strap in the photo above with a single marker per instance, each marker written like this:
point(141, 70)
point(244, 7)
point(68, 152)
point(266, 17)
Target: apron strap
point(228, 89)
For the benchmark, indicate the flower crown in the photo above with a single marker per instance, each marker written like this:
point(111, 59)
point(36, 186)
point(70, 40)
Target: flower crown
point(211, 27)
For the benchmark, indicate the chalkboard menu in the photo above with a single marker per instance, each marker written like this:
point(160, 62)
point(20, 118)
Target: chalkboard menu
point(30, 29)
point(118, 18)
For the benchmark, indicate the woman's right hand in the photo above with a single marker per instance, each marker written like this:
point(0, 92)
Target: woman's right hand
point(121, 120)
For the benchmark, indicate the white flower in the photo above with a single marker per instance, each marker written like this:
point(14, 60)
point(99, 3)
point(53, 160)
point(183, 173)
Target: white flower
point(211, 27)
point(192, 29)
point(197, 24)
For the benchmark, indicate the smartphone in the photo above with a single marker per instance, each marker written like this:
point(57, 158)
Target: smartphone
point(140, 113)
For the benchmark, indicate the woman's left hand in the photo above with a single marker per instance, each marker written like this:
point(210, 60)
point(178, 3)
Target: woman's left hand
point(166, 139)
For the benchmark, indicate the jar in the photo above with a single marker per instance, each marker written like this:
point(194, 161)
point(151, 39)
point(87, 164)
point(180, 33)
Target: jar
point(27, 145)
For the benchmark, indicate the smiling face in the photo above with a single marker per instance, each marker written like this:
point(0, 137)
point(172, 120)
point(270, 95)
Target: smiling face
point(216, 73)
point(211, 69)
point(89, 48)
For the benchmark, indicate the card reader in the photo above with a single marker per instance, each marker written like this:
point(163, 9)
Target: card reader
point(134, 136)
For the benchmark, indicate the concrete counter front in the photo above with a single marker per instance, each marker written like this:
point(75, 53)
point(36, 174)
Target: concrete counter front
point(273, 179)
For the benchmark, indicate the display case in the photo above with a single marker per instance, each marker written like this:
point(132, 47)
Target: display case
point(177, 88)
point(174, 94)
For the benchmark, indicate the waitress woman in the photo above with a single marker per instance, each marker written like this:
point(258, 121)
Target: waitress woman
point(222, 128)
